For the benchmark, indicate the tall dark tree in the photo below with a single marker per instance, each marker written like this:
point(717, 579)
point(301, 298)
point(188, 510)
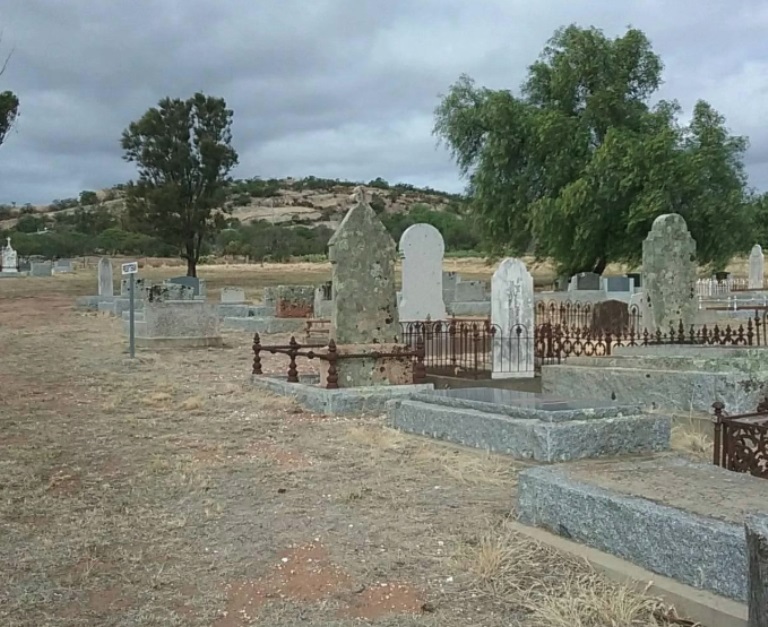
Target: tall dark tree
point(580, 164)
point(184, 154)
point(9, 106)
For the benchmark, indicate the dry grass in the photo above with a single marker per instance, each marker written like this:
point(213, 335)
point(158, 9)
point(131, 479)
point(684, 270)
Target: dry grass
point(144, 492)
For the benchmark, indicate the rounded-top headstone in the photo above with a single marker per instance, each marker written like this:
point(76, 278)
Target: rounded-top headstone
point(422, 248)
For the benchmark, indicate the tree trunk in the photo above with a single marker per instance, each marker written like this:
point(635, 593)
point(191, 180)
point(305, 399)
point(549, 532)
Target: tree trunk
point(191, 259)
point(599, 265)
point(756, 528)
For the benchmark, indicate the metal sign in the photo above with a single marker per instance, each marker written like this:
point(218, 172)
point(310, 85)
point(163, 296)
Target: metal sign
point(131, 268)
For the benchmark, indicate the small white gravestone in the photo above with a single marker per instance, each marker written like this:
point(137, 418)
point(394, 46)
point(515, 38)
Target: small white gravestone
point(422, 248)
point(232, 295)
point(106, 279)
point(756, 267)
point(512, 314)
point(10, 259)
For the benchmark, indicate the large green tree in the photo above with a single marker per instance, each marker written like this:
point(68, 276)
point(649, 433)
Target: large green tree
point(184, 154)
point(9, 106)
point(580, 164)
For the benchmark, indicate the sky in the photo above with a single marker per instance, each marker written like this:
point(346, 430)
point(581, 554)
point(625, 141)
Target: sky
point(330, 88)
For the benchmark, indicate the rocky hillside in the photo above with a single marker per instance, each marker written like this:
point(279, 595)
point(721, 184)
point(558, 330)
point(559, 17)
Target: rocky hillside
point(309, 201)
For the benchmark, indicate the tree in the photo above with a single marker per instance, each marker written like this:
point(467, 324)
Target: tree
point(579, 166)
point(184, 155)
point(9, 107)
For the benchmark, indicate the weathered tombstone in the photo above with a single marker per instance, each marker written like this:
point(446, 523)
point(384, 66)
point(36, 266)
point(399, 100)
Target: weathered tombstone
point(294, 301)
point(585, 281)
point(323, 303)
point(62, 266)
point(422, 249)
point(364, 315)
point(617, 284)
point(9, 259)
point(610, 316)
point(41, 268)
point(189, 281)
point(106, 279)
point(756, 268)
point(512, 314)
point(232, 295)
point(756, 531)
point(471, 291)
point(669, 274)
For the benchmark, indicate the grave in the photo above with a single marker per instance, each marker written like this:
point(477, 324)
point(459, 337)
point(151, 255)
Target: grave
point(675, 377)
point(422, 248)
point(9, 260)
point(197, 285)
point(676, 518)
point(232, 295)
point(283, 310)
point(465, 298)
point(531, 426)
point(62, 266)
point(106, 278)
point(513, 318)
point(618, 284)
point(323, 302)
point(756, 268)
point(669, 274)
point(294, 301)
point(610, 316)
point(41, 268)
point(586, 281)
point(163, 323)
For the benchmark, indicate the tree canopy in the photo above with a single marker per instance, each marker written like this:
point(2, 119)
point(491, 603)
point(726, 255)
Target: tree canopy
point(184, 155)
point(579, 165)
point(9, 107)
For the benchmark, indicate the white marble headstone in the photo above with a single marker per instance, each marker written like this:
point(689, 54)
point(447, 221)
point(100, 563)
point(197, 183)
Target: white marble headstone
point(512, 314)
point(10, 260)
point(422, 248)
point(106, 279)
point(756, 267)
point(232, 295)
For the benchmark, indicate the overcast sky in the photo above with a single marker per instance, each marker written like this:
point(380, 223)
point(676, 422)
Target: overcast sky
point(330, 88)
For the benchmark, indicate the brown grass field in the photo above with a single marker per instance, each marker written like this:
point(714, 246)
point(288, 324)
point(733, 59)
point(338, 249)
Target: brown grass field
point(166, 490)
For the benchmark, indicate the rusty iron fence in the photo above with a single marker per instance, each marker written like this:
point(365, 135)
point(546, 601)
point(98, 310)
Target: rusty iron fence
point(465, 349)
point(329, 353)
point(741, 441)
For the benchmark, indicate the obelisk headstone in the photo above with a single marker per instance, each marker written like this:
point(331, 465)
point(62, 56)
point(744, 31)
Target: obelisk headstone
point(106, 278)
point(422, 249)
point(756, 268)
point(512, 316)
point(669, 275)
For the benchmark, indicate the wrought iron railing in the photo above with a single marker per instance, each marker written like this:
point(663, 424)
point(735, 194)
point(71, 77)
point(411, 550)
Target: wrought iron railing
point(741, 442)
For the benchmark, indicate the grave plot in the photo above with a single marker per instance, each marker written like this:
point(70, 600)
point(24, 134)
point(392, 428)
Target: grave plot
point(531, 426)
point(676, 518)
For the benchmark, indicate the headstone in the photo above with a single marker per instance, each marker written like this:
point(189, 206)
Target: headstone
point(610, 316)
point(294, 301)
point(106, 279)
point(756, 268)
point(41, 268)
point(470, 291)
point(232, 295)
point(669, 274)
point(62, 266)
point(618, 284)
point(189, 281)
point(323, 302)
point(586, 281)
point(10, 259)
point(512, 314)
point(362, 256)
point(422, 248)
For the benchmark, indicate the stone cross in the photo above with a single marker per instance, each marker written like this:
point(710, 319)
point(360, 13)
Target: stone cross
point(669, 275)
point(512, 316)
point(422, 248)
point(756, 268)
point(9, 260)
point(362, 256)
point(106, 279)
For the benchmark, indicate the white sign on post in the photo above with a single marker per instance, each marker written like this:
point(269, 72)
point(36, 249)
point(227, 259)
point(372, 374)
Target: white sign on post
point(131, 268)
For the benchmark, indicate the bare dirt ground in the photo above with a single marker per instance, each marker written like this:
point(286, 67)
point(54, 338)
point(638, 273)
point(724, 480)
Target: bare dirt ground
point(167, 491)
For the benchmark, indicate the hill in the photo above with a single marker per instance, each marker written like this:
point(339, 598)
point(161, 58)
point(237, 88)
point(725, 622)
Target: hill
point(309, 201)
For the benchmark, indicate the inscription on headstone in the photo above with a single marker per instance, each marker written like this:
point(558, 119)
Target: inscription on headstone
point(422, 249)
point(669, 274)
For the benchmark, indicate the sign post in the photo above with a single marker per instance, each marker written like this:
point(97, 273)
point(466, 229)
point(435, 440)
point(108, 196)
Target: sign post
point(131, 269)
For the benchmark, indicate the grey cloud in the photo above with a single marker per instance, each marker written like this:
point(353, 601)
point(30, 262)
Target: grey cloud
point(338, 88)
